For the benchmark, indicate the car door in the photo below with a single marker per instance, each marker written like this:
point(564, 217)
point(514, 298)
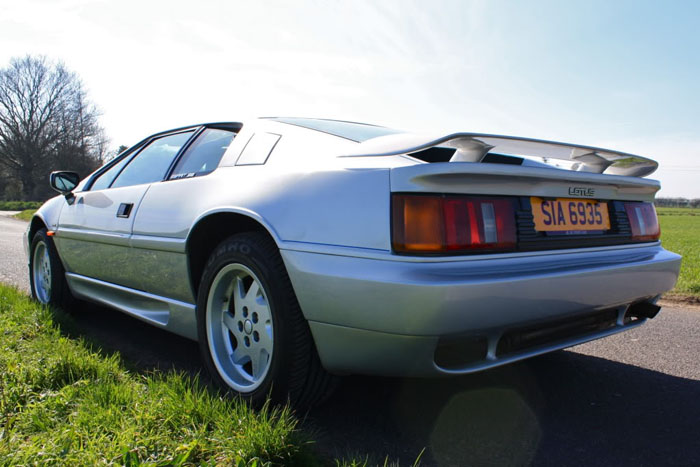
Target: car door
point(94, 231)
point(168, 210)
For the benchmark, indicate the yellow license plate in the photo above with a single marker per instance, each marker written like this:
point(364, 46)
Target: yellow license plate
point(564, 214)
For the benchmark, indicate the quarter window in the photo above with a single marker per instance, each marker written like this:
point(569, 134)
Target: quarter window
point(204, 154)
point(151, 164)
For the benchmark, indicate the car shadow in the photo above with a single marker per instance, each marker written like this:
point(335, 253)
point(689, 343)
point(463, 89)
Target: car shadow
point(559, 409)
point(143, 347)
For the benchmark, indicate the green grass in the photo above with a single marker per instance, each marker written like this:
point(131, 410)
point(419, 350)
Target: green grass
point(62, 402)
point(25, 215)
point(680, 233)
point(19, 205)
point(360, 461)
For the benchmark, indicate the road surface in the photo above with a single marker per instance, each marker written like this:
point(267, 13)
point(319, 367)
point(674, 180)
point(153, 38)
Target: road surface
point(13, 263)
point(627, 400)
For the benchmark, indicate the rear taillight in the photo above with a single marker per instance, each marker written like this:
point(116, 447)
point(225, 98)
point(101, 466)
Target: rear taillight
point(452, 224)
point(643, 220)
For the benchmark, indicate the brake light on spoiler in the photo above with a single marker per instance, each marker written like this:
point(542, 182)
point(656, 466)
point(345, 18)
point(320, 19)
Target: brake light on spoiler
point(452, 224)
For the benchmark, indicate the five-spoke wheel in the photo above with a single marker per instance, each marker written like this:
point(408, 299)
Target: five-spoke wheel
point(46, 274)
point(252, 334)
point(41, 272)
point(240, 330)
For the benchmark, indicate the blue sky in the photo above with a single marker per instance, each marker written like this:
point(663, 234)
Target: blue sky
point(618, 74)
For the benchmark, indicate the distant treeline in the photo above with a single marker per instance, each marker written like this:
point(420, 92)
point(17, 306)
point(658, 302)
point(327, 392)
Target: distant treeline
point(677, 202)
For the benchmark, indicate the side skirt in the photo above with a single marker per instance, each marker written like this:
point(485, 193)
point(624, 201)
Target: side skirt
point(172, 315)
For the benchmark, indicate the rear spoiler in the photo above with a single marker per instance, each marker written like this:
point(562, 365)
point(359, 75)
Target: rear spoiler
point(473, 147)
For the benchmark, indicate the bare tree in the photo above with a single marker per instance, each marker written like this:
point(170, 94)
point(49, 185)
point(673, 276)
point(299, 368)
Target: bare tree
point(46, 123)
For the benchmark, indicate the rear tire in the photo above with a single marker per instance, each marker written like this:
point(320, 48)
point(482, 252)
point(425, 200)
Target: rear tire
point(253, 337)
point(47, 278)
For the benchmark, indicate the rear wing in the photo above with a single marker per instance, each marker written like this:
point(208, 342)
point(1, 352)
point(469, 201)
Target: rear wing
point(473, 147)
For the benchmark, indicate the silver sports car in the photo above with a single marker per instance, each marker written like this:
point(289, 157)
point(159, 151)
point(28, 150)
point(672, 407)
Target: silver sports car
point(294, 249)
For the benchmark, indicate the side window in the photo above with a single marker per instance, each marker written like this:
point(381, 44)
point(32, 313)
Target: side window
point(104, 180)
point(258, 149)
point(204, 154)
point(153, 161)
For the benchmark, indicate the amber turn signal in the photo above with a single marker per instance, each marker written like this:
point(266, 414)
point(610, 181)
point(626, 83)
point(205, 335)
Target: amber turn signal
point(452, 224)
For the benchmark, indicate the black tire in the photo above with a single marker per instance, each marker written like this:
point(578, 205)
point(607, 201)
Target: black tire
point(293, 372)
point(58, 293)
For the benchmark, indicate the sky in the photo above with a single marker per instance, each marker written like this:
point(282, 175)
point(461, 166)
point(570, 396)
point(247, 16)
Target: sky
point(617, 74)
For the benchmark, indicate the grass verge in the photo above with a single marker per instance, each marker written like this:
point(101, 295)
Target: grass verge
point(680, 233)
point(25, 215)
point(61, 402)
point(19, 205)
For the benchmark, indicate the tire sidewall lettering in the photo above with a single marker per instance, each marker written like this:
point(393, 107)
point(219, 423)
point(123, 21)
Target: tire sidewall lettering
point(238, 247)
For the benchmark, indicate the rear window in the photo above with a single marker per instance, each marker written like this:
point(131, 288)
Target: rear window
point(358, 132)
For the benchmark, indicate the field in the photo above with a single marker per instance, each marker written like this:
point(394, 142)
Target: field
point(680, 233)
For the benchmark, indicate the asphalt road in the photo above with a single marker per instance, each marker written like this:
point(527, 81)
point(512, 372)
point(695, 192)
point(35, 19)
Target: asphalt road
point(13, 263)
point(627, 400)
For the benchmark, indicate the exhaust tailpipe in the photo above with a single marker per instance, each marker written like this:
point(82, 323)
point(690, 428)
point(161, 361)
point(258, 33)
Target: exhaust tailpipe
point(643, 310)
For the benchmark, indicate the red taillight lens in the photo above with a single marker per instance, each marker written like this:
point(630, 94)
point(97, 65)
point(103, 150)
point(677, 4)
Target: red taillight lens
point(437, 224)
point(643, 221)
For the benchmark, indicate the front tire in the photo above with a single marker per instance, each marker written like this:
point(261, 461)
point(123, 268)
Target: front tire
point(252, 334)
point(46, 274)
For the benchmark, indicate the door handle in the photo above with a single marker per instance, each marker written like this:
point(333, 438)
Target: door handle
point(124, 210)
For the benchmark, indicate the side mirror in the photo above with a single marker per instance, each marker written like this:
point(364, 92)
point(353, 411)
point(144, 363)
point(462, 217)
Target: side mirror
point(64, 183)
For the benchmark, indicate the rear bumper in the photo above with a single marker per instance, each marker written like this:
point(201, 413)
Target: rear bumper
point(388, 316)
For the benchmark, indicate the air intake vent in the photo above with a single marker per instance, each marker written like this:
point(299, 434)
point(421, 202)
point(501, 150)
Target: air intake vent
point(438, 154)
point(434, 154)
point(520, 339)
point(502, 159)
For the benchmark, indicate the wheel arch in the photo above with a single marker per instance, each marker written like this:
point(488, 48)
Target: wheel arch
point(210, 230)
point(46, 217)
point(37, 223)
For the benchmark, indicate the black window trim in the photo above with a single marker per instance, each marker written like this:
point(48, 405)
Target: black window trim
point(137, 150)
point(128, 153)
point(198, 131)
point(133, 151)
point(194, 130)
point(190, 142)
